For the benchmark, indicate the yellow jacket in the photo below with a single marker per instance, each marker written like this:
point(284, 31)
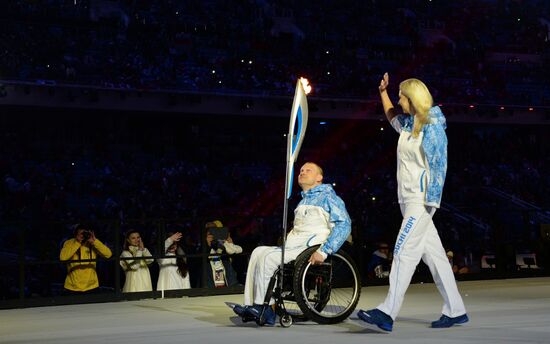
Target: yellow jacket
point(82, 276)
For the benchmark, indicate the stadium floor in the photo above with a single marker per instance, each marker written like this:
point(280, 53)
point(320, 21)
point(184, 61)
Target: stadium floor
point(500, 311)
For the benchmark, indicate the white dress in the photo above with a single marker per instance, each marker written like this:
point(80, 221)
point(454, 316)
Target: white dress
point(138, 277)
point(169, 277)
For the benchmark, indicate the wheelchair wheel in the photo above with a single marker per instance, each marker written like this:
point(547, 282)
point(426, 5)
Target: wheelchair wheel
point(294, 310)
point(286, 320)
point(327, 293)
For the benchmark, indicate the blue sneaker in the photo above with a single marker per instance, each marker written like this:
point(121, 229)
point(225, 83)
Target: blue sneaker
point(446, 321)
point(376, 317)
point(255, 311)
point(239, 309)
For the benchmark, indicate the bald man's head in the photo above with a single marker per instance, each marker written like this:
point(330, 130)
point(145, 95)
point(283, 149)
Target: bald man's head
point(310, 176)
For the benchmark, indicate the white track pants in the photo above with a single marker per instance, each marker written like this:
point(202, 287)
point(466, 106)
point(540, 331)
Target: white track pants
point(262, 265)
point(418, 239)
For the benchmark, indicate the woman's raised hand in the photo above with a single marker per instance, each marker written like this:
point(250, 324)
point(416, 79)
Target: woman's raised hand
point(176, 236)
point(384, 83)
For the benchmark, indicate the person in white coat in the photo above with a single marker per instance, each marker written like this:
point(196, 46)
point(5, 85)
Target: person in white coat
point(174, 272)
point(421, 170)
point(138, 277)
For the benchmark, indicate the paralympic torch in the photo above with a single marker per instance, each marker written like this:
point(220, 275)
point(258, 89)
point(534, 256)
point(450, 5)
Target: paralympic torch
point(295, 137)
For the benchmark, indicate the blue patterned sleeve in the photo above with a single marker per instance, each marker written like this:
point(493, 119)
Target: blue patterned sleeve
point(435, 147)
point(339, 217)
point(402, 122)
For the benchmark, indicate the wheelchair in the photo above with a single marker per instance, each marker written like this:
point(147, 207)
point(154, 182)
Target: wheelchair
point(326, 293)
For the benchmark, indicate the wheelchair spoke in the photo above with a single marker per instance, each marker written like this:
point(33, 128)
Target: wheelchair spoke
point(326, 293)
point(292, 308)
point(327, 300)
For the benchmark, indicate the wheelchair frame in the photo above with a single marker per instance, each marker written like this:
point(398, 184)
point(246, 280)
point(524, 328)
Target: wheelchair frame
point(297, 293)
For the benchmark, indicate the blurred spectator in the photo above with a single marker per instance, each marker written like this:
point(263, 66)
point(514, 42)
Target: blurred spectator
point(174, 272)
point(82, 276)
point(380, 262)
point(458, 263)
point(138, 277)
point(219, 240)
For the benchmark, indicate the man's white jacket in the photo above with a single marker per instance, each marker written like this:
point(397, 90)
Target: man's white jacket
point(320, 218)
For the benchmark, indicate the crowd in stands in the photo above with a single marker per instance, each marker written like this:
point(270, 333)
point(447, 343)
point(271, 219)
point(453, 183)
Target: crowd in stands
point(191, 170)
point(161, 175)
point(468, 51)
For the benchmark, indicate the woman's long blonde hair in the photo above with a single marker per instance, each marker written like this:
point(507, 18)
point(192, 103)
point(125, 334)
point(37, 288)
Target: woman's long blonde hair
point(420, 100)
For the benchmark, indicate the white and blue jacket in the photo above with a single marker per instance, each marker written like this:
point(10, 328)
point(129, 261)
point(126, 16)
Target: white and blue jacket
point(434, 147)
point(320, 218)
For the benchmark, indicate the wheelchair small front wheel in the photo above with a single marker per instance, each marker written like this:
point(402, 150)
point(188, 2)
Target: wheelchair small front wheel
point(286, 320)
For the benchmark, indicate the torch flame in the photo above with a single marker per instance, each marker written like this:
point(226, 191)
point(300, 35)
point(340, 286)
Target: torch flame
point(306, 85)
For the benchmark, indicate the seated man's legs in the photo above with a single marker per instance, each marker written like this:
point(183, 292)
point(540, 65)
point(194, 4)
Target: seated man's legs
point(255, 259)
point(263, 263)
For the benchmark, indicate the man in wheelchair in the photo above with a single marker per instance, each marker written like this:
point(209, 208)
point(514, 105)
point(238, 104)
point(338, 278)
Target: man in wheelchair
point(320, 218)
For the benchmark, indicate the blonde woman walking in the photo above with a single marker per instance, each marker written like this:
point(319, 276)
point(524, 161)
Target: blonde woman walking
point(421, 170)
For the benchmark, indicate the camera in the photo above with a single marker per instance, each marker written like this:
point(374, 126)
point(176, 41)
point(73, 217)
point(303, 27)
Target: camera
point(219, 233)
point(86, 235)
